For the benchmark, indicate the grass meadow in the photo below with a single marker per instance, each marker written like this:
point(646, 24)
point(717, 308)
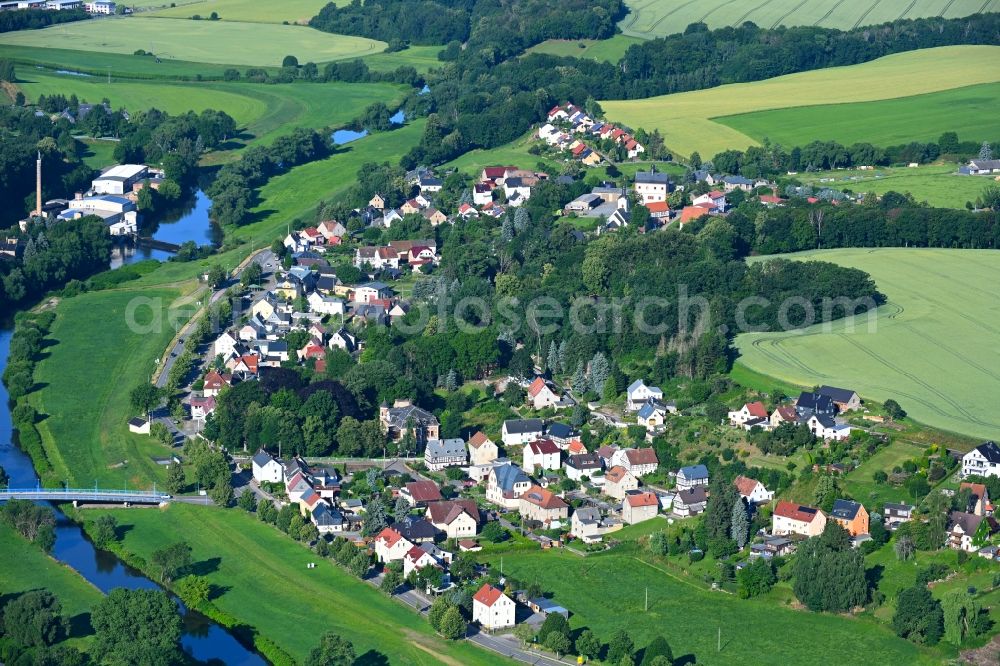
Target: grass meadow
point(27, 568)
point(607, 592)
point(220, 42)
point(657, 18)
point(264, 582)
point(608, 50)
point(250, 11)
point(967, 111)
point(935, 344)
point(688, 120)
point(937, 184)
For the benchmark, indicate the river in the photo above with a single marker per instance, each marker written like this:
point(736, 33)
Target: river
point(203, 639)
point(342, 136)
point(187, 222)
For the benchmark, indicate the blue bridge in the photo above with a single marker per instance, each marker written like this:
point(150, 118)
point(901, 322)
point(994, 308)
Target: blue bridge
point(90, 495)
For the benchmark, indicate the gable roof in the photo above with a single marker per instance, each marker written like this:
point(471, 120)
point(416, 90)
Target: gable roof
point(559, 430)
point(584, 461)
point(262, 458)
point(537, 387)
point(389, 537)
point(645, 456)
point(446, 512)
point(478, 439)
point(488, 595)
point(694, 472)
point(690, 496)
point(990, 451)
point(521, 426)
point(745, 485)
point(508, 475)
point(636, 500)
point(836, 394)
point(445, 448)
point(792, 511)
point(814, 401)
point(845, 509)
point(543, 446)
point(968, 522)
point(423, 491)
point(616, 474)
point(757, 409)
point(543, 498)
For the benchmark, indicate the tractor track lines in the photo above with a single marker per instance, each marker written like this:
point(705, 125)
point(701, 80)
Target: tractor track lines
point(790, 12)
point(673, 11)
point(740, 20)
point(865, 15)
point(907, 10)
point(829, 11)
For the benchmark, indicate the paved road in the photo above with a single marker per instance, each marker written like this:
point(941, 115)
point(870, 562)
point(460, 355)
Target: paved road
point(263, 258)
point(509, 646)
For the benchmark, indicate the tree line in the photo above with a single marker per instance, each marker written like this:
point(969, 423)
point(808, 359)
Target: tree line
point(35, 19)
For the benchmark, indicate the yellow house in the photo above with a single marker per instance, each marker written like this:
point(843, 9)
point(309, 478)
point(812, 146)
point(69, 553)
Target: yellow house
point(593, 159)
point(288, 289)
point(264, 308)
point(377, 202)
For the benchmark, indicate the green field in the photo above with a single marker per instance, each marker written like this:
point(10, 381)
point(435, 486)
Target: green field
point(221, 42)
point(263, 112)
point(608, 50)
point(935, 348)
point(657, 18)
point(86, 378)
point(267, 585)
point(937, 184)
point(687, 120)
point(27, 568)
point(251, 11)
point(967, 111)
point(606, 592)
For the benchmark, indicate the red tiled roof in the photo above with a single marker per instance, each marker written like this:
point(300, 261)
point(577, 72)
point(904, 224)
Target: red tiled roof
point(757, 409)
point(542, 446)
point(690, 213)
point(642, 457)
point(423, 491)
point(478, 439)
point(804, 514)
point(745, 485)
point(390, 536)
point(576, 446)
point(787, 413)
point(487, 595)
point(658, 207)
point(543, 498)
point(447, 511)
point(642, 499)
point(770, 198)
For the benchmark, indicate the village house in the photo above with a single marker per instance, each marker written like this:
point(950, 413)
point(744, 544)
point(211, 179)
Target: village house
point(404, 417)
point(201, 407)
point(266, 469)
point(492, 609)
point(979, 501)
point(791, 518)
point(639, 462)
point(343, 339)
point(541, 453)
point(782, 415)
point(772, 547)
point(391, 546)
point(638, 394)
point(416, 529)
point(420, 493)
point(325, 304)
point(651, 416)
point(542, 506)
point(825, 428)
point(521, 431)
point(751, 411)
point(845, 400)
point(505, 485)
point(561, 434)
point(482, 450)
point(417, 558)
point(618, 481)
point(896, 514)
point(583, 464)
point(456, 518)
point(371, 291)
point(442, 453)
point(692, 476)
point(215, 382)
point(328, 520)
point(639, 506)
point(540, 395)
point(984, 460)
point(651, 186)
point(809, 403)
point(967, 531)
point(587, 524)
point(690, 502)
point(852, 516)
point(752, 490)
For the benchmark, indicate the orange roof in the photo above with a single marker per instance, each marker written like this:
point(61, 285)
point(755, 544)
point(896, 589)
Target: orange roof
point(487, 595)
point(757, 409)
point(616, 474)
point(642, 499)
point(389, 536)
point(745, 485)
point(575, 447)
point(658, 207)
point(716, 194)
point(536, 387)
point(978, 489)
point(478, 439)
point(804, 514)
point(692, 213)
point(543, 498)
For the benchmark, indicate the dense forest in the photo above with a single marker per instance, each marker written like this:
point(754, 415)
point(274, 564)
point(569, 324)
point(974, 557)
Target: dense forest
point(33, 19)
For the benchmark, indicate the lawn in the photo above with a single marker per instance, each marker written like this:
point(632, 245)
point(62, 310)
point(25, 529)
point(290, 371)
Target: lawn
point(937, 184)
point(250, 11)
point(266, 584)
point(421, 58)
point(861, 487)
point(120, 64)
point(26, 568)
point(935, 346)
point(98, 154)
point(221, 42)
point(93, 362)
point(967, 111)
point(607, 50)
point(657, 18)
point(686, 119)
point(607, 592)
